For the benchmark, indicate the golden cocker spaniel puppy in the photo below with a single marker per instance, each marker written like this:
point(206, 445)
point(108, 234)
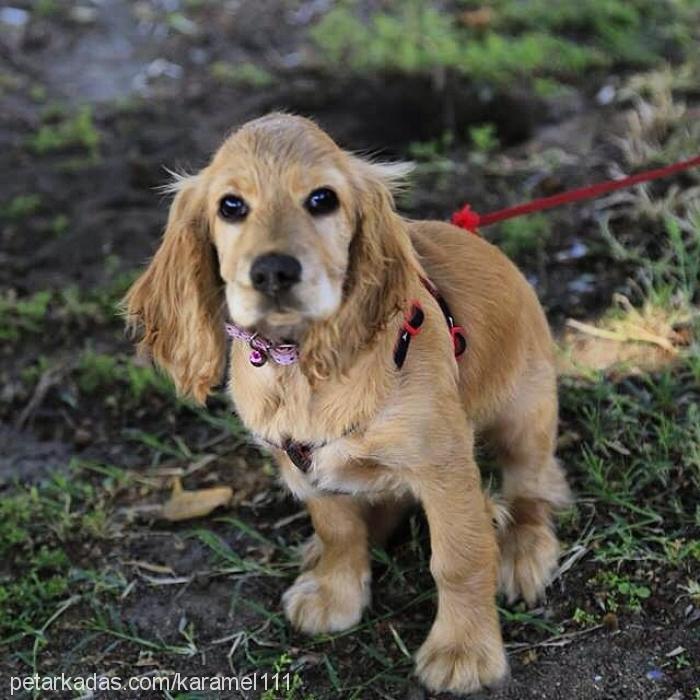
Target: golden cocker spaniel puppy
point(367, 352)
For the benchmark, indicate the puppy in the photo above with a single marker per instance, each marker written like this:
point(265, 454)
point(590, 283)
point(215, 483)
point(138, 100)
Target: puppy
point(367, 352)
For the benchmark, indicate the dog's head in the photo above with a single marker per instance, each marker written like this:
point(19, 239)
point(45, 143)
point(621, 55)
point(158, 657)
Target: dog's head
point(292, 236)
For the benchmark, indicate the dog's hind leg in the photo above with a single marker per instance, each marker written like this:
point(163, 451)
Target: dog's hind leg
point(334, 590)
point(534, 485)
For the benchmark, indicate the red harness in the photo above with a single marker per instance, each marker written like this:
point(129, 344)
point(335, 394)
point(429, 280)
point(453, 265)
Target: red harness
point(413, 323)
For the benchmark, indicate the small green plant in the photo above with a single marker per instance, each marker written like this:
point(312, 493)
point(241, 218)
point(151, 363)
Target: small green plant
point(59, 224)
point(433, 155)
point(20, 207)
point(18, 316)
point(76, 131)
point(47, 8)
point(583, 618)
point(621, 591)
point(97, 371)
point(242, 74)
point(484, 138)
point(290, 682)
point(523, 235)
point(38, 93)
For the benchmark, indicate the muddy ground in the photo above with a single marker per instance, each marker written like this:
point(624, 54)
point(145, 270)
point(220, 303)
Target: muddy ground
point(202, 597)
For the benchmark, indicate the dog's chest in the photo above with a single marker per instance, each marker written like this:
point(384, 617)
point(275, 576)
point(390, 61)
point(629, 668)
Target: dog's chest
point(278, 404)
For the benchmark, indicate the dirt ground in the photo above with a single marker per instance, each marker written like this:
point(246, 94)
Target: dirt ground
point(99, 441)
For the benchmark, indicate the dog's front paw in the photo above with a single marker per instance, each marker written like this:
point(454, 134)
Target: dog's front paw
point(330, 603)
point(460, 667)
point(529, 555)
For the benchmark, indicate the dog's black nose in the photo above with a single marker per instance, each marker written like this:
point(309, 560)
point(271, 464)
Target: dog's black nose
point(274, 273)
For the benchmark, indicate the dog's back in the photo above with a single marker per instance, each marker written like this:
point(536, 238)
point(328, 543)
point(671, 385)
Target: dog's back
point(505, 326)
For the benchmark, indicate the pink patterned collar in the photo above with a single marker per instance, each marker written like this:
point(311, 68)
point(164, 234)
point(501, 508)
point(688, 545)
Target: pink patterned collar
point(262, 349)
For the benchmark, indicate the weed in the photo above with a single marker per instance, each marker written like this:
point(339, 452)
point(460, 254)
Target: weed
point(483, 137)
point(96, 371)
point(20, 207)
point(291, 683)
point(37, 525)
point(47, 8)
point(621, 591)
point(584, 618)
point(22, 315)
point(523, 235)
point(242, 74)
point(100, 371)
point(76, 131)
point(433, 156)
point(59, 224)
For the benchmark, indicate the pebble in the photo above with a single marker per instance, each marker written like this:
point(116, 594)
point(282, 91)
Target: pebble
point(14, 17)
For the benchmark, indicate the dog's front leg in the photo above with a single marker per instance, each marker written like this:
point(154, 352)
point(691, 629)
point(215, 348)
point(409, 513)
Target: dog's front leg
point(464, 650)
point(332, 594)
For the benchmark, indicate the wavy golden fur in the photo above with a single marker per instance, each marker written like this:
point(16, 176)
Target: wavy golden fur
point(384, 437)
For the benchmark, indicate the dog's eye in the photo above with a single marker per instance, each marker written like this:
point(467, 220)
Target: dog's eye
point(321, 201)
point(233, 208)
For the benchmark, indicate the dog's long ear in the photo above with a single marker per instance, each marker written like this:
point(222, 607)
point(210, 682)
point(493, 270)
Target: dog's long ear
point(382, 263)
point(177, 302)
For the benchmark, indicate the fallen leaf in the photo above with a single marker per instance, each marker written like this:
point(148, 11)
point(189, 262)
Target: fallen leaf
point(187, 505)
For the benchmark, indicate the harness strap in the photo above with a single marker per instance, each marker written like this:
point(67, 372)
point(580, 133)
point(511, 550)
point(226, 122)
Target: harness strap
point(414, 320)
point(459, 338)
point(411, 327)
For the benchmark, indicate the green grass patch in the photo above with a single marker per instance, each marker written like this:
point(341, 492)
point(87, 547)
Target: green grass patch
point(19, 316)
point(76, 131)
point(638, 453)
point(636, 32)
point(28, 316)
point(523, 40)
point(39, 526)
point(417, 38)
point(114, 372)
point(20, 207)
point(243, 74)
point(523, 235)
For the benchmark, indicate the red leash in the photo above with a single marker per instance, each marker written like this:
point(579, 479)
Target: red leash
point(468, 219)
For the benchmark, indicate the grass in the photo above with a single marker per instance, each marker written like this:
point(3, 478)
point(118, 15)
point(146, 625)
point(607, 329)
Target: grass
point(24, 317)
point(638, 466)
point(18, 316)
point(525, 40)
point(519, 236)
point(39, 527)
point(64, 132)
point(20, 207)
point(241, 74)
point(625, 32)
point(106, 372)
point(418, 38)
